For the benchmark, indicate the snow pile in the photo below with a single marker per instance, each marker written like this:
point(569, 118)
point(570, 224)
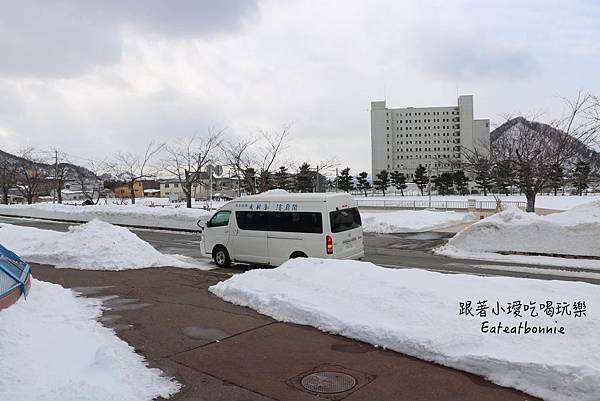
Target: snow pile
point(276, 191)
point(52, 348)
point(95, 245)
point(417, 312)
point(406, 221)
point(573, 232)
point(140, 216)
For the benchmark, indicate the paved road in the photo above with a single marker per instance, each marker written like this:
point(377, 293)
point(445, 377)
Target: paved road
point(389, 250)
point(223, 352)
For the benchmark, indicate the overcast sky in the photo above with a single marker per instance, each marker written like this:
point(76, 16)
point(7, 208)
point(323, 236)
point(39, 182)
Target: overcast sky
point(95, 79)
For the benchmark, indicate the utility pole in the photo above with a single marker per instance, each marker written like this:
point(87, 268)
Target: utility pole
point(55, 176)
point(317, 181)
point(336, 179)
point(210, 174)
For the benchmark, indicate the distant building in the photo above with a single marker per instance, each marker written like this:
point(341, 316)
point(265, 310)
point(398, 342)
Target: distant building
point(435, 137)
point(172, 188)
point(140, 189)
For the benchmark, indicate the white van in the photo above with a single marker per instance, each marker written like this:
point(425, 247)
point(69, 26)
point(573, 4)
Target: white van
point(272, 227)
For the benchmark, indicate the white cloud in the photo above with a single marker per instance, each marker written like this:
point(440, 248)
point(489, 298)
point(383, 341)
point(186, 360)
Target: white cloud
point(316, 64)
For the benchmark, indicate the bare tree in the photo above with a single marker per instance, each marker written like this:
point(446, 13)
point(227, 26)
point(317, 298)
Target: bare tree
point(272, 146)
point(60, 172)
point(254, 160)
point(187, 157)
point(240, 159)
point(536, 149)
point(130, 167)
point(8, 177)
point(89, 181)
point(30, 174)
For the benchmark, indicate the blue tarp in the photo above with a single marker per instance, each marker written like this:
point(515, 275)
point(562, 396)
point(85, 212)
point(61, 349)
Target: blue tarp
point(14, 272)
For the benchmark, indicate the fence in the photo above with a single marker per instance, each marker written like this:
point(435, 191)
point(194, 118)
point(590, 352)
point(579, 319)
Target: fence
point(434, 204)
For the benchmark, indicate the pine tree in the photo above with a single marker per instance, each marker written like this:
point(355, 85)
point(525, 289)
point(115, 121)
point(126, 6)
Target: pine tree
point(503, 176)
point(304, 178)
point(282, 179)
point(444, 183)
point(250, 180)
point(421, 178)
point(345, 180)
point(382, 183)
point(265, 179)
point(461, 181)
point(362, 184)
point(581, 176)
point(556, 178)
point(483, 176)
point(398, 181)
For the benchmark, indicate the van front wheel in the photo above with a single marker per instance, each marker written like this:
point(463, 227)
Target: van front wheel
point(221, 256)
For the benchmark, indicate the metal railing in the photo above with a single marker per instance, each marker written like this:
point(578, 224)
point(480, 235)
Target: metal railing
point(434, 204)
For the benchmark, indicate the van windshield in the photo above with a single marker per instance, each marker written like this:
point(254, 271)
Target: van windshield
point(344, 220)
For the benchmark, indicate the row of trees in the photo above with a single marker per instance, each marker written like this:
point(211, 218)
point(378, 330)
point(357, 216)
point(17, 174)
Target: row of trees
point(537, 157)
point(444, 183)
point(255, 162)
point(503, 176)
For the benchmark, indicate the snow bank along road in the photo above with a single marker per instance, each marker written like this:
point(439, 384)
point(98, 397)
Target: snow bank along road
point(410, 250)
point(127, 215)
point(537, 336)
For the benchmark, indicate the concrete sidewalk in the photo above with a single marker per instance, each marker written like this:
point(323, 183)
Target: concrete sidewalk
point(222, 352)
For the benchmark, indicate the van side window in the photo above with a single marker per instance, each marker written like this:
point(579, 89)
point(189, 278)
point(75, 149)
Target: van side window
point(252, 220)
point(345, 219)
point(290, 222)
point(220, 219)
point(296, 222)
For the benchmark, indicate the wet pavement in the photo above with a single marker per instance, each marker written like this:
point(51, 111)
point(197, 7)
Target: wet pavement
point(222, 352)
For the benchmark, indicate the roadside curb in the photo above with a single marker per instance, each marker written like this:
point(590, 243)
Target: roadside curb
point(116, 224)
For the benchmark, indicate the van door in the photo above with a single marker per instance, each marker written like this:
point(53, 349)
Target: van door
point(248, 238)
point(217, 230)
point(347, 234)
point(295, 232)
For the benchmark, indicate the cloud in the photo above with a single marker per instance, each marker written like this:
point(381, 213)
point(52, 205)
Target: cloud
point(93, 78)
point(67, 38)
point(458, 56)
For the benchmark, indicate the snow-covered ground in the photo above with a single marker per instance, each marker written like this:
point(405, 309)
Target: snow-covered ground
point(134, 215)
point(543, 201)
point(95, 245)
point(52, 348)
point(406, 221)
point(182, 218)
point(417, 312)
point(572, 232)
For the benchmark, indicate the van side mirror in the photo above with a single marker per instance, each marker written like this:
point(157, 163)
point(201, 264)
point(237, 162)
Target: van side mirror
point(200, 224)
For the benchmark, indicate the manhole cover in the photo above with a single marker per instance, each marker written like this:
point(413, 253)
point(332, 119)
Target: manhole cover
point(328, 382)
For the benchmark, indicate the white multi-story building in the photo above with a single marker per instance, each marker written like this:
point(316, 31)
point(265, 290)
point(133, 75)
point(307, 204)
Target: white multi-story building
point(435, 137)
